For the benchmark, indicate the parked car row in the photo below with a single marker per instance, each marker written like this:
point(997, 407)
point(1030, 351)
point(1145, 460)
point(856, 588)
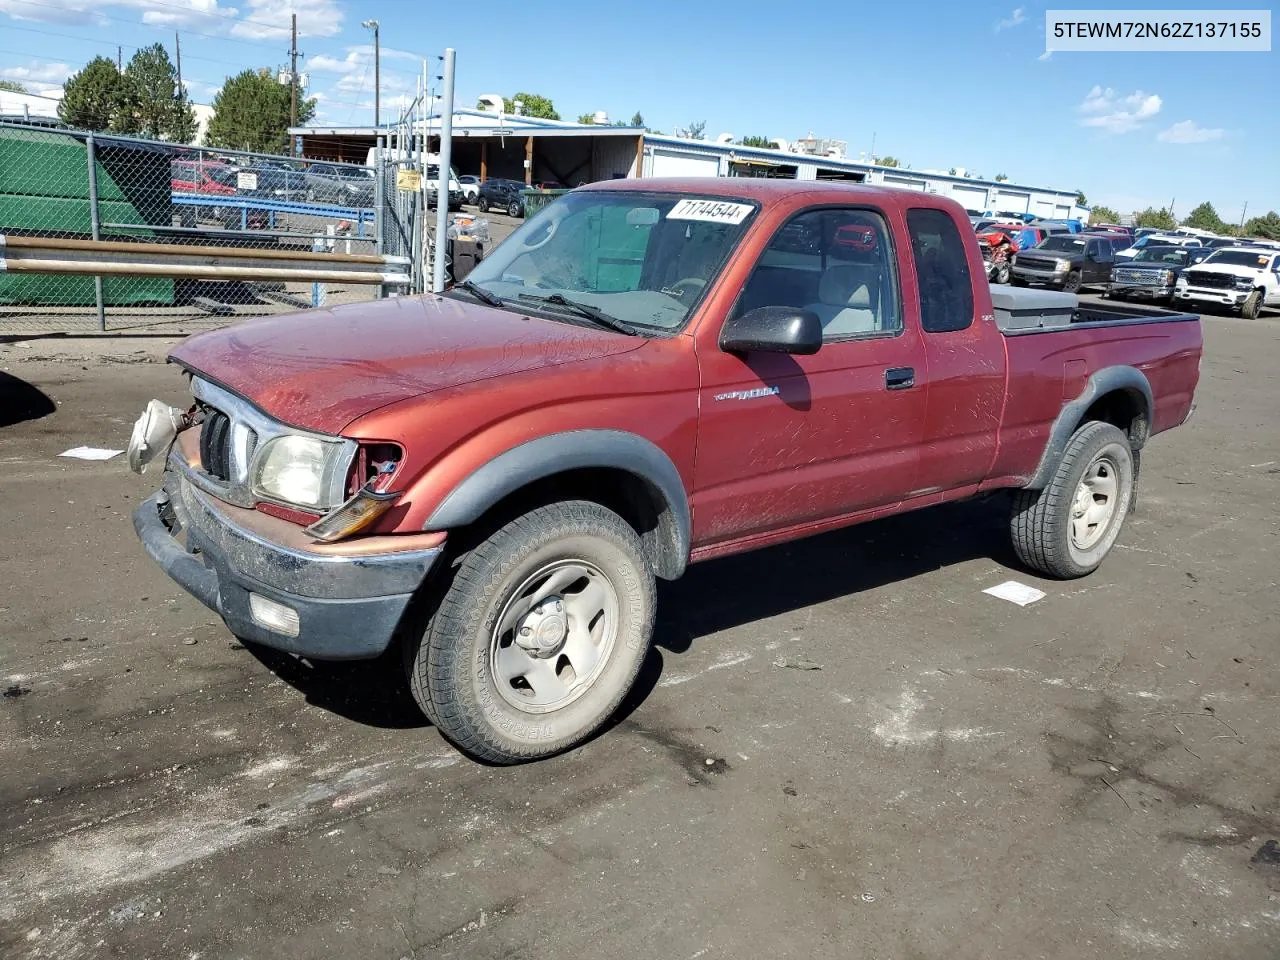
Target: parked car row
point(1144, 264)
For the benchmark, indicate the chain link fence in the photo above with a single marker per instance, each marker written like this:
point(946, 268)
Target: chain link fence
point(74, 185)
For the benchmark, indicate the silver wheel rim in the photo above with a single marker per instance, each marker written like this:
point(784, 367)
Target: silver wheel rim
point(554, 636)
point(1094, 505)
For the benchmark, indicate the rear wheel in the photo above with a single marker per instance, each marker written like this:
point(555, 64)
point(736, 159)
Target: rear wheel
point(539, 636)
point(1252, 305)
point(1067, 529)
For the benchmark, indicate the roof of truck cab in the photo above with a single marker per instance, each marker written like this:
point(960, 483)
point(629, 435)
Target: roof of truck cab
point(766, 190)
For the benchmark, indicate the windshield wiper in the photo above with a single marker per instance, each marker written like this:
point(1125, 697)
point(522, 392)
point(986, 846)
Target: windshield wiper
point(479, 292)
point(606, 320)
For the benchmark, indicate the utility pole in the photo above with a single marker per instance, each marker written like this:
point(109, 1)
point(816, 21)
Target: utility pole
point(1243, 211)
point(177, 51)
point(293, 75)
point(377, 70)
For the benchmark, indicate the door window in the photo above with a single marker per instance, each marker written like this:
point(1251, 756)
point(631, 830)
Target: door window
point(836, 263)
point(946, 287)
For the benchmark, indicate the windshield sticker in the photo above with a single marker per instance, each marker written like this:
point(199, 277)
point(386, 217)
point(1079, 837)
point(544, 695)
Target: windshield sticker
point(713, 211)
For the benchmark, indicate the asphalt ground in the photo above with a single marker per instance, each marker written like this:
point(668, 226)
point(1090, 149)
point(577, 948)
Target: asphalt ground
point(839, 748)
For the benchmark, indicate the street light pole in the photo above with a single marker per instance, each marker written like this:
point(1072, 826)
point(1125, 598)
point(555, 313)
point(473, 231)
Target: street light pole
point(377, 71)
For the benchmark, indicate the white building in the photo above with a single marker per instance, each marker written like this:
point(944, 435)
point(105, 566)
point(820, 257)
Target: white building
point(674, 157)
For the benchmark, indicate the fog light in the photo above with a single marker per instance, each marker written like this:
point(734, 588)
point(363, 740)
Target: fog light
point(273, 616)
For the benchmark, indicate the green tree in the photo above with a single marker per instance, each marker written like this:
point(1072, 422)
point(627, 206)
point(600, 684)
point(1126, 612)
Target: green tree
point(1267, 226)
point(637, 120)
point(586, 118)
point(694, 131)
point(91, 98)
point(1002, 178)
point(251, 112)
point(1161, 219)
point(152, 102)
point(1101, 214)
point(13, 86)
point(532, 105)
point(886, 161)
point(1204, 217)
point(1081, 201)
point(764, 142)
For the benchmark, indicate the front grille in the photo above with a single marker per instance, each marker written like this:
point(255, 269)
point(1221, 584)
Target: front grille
point(1032, 263)
point(1153, 278)
point(215, 444)
point(1213, 281)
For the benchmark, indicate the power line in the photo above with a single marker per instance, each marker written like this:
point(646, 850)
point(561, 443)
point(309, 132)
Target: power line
point(189, 33)
point(190, 56)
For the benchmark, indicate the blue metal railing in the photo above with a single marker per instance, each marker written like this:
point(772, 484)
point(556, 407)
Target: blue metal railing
point(359, 215)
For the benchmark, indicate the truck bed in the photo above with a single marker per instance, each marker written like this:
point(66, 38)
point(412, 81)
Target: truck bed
point(1068, 347)
point(1020, 311)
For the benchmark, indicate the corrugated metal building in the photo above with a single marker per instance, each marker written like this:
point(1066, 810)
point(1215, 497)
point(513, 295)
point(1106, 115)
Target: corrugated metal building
point(673, 157)
point(489, 144)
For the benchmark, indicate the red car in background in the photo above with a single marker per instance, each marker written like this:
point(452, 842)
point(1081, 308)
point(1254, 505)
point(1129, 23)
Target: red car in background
point(999, 242)
point(216, 179)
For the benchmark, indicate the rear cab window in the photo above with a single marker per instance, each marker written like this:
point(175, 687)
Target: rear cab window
point(942, 270)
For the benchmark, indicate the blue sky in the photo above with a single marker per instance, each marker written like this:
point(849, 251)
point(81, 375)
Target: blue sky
point(935, 83)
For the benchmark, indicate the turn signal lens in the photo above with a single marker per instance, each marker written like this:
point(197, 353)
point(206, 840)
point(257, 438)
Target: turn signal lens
point(354, 515)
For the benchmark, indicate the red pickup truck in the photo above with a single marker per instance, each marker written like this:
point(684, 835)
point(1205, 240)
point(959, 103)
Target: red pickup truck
point(645, 374)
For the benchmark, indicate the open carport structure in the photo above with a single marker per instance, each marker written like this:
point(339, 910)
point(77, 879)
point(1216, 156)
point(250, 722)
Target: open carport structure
point(488, 144)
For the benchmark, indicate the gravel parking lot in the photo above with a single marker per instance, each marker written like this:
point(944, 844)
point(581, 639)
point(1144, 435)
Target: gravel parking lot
point(840, 748)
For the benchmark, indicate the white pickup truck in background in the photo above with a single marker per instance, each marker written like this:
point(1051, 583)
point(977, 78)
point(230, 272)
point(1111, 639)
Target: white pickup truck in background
point(1243, 278)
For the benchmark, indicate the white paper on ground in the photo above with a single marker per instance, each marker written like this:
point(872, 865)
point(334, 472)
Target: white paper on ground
point(91, 453)
point(1015, 592)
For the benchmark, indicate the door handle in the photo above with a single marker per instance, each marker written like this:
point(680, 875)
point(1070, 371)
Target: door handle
point(900, 378)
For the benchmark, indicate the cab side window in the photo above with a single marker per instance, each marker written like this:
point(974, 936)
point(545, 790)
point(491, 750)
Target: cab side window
point(946, 287)
point(836, 263)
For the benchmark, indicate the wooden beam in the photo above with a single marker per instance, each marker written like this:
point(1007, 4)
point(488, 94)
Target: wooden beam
point(528, 157)
point(484, 160)
point(640, 156)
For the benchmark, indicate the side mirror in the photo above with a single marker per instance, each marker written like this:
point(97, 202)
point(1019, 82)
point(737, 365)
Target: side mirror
point(773, 330)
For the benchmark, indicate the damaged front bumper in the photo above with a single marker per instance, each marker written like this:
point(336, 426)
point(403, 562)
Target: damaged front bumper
point(339, 601)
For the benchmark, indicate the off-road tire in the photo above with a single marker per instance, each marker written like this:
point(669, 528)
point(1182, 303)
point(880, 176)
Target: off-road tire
point(1252, 306)
point(450, 668)
point(1040, 522)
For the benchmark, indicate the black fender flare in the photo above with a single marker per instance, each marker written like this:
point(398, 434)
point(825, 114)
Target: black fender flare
point(555, 453)
point(1124, 379)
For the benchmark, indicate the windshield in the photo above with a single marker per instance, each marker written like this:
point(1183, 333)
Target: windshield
point(645, 258)
point(1063, 243)
point(1176, 256)
point(1240, 258)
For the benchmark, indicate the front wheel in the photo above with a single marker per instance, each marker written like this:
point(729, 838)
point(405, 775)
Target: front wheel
point(1072, 283)
point(513, 208)
point(539, 636)
point(1067, 529)
point(483, 205)
point(1002, 273)
point(1252, 306)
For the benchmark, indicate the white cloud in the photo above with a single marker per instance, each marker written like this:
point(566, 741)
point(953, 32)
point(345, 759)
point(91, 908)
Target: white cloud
point(1018, 16)
point(47, 72)
point(1187, 131)
point(1107, 110)
point(256, 20)
point(269, 19)
point(1045, 56)
point(355, 72)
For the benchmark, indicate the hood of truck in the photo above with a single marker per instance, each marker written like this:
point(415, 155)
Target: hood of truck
point(1232, 269)
point(322, 369)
